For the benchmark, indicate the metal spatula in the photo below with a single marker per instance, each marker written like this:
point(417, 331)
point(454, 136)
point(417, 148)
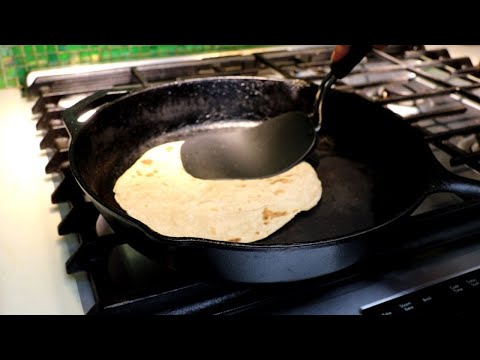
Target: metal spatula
point(272, 147)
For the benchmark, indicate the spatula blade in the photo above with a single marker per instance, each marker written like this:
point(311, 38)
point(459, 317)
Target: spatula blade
point(272, 147)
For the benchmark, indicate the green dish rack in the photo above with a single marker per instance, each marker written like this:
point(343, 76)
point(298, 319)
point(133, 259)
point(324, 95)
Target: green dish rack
point(17, 60)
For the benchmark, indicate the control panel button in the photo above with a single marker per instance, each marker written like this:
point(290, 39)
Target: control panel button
point(453, 297)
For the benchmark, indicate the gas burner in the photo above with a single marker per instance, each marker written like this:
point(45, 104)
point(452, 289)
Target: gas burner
point(469, 143)
point(476, 147)
point(306, 73)
point(385, 92)
point(409, 108)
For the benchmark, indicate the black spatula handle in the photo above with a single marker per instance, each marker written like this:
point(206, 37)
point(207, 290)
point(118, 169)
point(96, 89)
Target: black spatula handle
point(343, 67)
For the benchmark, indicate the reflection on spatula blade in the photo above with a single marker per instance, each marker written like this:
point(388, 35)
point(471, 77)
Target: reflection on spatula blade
point(272, 147)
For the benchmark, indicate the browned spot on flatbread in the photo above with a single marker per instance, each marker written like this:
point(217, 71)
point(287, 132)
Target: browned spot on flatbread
point(242, 185)
point(280, 180)
point(278, 192)
point(139, 173)
point(155, 171)
point(213, 230)
point(214, 209)
point(257, 232)
point(268, 214)
point(150, 174)
point(147, 161)
point(235, 240)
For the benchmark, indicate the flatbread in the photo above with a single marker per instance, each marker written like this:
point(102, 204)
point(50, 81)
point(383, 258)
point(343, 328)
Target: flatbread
point(157, 191)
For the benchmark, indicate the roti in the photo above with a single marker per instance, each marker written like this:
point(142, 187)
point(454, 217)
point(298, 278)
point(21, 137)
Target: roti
point(158, 191)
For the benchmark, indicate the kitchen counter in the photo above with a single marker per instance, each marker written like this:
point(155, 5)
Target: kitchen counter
point(33, 279)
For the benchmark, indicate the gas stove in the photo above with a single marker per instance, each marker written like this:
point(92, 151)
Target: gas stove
point(436, 257)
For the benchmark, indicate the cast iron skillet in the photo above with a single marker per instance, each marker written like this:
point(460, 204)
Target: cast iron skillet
point(375, 169)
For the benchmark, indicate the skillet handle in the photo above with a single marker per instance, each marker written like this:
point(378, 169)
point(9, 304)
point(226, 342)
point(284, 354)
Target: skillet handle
point(71, 115)
point(445, 181)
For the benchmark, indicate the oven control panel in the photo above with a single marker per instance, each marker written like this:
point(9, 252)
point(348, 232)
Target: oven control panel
point(458, 296)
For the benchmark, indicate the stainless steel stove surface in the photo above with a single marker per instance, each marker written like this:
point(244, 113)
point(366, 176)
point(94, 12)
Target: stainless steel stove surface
point(436, 93)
